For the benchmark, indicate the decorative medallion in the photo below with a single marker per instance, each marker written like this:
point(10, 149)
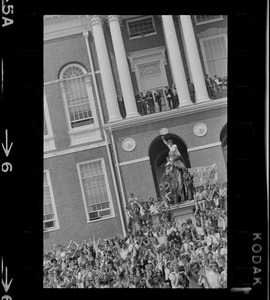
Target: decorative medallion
point(200, 129)
point(163, 131)
point(128, 144)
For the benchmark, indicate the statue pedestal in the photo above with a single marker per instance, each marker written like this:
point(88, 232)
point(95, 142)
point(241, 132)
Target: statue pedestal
point(182, 212)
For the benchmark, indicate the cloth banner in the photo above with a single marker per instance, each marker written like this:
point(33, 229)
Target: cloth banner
point(204, 175)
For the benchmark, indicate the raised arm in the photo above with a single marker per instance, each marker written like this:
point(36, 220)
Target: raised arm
point(164, 141)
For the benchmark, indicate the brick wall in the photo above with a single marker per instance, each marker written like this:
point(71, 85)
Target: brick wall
point(138, 179)
point(69, 200)
point(181, 126)
point(57, 116)
point(59, 52)
point(151, 41)
point(209, 156)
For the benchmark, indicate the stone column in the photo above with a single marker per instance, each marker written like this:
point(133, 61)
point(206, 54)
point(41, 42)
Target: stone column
point(122, 65)
point(176, 61)
point(105, 68)
point(194, 59)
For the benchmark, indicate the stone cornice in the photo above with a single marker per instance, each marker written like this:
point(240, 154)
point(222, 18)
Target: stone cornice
point(187, 110)
point(58, 26)
point(61, 26)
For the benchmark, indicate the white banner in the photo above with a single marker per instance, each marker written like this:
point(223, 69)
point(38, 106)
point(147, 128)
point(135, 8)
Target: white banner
point(204, 175)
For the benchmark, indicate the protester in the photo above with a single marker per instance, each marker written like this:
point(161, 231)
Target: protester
point(122, 107)
point(210, 86)
point(158, 99)
point(169, 96)
point(158, 250)
point(175, 96)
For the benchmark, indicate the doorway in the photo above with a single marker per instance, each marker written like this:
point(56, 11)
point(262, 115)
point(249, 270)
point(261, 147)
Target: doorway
point(158, 153)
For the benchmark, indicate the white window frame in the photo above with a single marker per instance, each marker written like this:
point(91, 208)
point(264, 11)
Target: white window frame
point(57, 227)
point(49, 143)
point(220, 18)
point(203, 51)
point(85, 133)
point(137, 20)
point(107, 189)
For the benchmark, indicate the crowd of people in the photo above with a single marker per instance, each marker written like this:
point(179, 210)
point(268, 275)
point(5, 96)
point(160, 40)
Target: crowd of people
point(215, 85)
point(153, 102)
point(157, 252)
point(160, 250)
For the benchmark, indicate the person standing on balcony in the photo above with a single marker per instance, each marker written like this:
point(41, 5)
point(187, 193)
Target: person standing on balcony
point(143, 104)
point(150, 101)
point(175, 96)
point(210, 86)
point(217, 84)
point(121, 105)
point(168, 94)
point(191, 90)
point(138, 102)
point(158, 99)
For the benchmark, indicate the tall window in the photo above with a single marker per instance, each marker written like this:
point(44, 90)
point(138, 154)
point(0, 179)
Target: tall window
point(203, 19)
point(95, 189)
point(76, 96)
point(214, 50)
point(141, 27)
point(49, 143)
point(50, 219)
point(45, 126)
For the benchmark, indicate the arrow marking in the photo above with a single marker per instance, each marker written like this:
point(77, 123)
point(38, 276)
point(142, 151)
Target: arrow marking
point(6, 148)
point(5, 283)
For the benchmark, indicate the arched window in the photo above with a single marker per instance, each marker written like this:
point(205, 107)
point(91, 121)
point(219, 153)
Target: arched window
point(79, 104)
point(76, 96)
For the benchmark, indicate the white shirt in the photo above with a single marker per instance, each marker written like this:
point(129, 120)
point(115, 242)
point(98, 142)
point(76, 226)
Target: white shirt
point(213, 278)
point(200, 230)
point(172, 277)
point(161, 240)
point(173, 148)
point(123, 253)
point(153, 209)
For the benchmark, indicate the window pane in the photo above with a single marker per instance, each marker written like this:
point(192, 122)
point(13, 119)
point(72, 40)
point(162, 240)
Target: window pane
point(94, 188)
point(77, 98)
point(137, 28)
point(48, 211)
point(206, 18)
point(216, 55)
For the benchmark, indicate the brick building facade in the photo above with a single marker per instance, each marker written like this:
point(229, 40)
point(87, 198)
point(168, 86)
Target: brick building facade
point(93, 158)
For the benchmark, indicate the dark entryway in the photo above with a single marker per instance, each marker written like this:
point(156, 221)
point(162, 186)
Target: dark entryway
point(158, 152)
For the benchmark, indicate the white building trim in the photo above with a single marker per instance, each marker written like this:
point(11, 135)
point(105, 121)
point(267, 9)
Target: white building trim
point(204, 146)
point(183, 111)
point(60, 26)
point(146, 55)
point(75, 149)
point(60, 80)
point(49, 143)
point(129, 162)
